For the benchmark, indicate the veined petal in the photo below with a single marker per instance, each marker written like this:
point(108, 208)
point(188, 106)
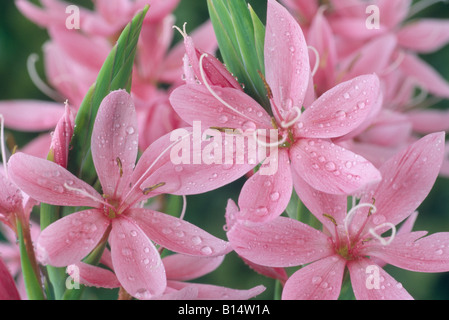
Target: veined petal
point(427, 254)
point(50, 183)
point(70, 239)
point(330, 168)
point(31, 115)
point(425, 75)
point(182, 267)
point(287, 68)
point(432, 35)
point(282, 242)
point(407, 179)
point(341, 109)
point(196, 103)
point(211, 292)
point(320, 280)
point(93, 276)
point(178, 235)
point(136, 261)
point(370, 282)
point(265, 197)
point(115, 142)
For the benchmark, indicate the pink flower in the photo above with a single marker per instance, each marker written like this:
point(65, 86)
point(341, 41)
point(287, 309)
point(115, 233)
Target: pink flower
point(8, 289)
point(179, 269)
point(305, 146)
point(115, 214)
point(354, 240)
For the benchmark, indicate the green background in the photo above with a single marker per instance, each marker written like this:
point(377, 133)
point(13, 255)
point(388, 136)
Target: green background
point(19, 38)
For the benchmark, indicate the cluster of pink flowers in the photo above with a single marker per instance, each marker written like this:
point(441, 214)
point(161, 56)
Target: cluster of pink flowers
point(342, 132)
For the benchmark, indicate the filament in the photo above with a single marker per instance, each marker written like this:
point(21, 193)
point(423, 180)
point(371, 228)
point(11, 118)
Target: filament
point(86, 194)
point(286, 125)
point(383, 241)
point(38, 82)
point(2, 143)
point(354, 210)
point(317, 60)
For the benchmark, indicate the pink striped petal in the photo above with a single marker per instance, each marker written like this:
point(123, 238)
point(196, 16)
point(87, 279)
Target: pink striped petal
point(320, 203)
point(427, 254)
point(330, 168)
point(287, 68)
point(50, 183)
point(341, 109)
point(265, 197)
point(370, 282)
point(425, 75)
point(8, 289)
point(92, 276)
point(178, 235)
point(211, 292)
point(31, 115)
point(268, 243)
point(136, 261)
point(195, 103)
point(181, 267)
point(115, 142)
point(70, 239)
point(407, 179)
point(424, 35)
point(320, 280)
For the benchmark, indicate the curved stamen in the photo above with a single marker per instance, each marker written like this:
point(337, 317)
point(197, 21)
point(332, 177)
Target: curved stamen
point(38, 82)
point(383, 241)
point(183, 31)
point(286, 125)
point(206, 84)
point(269, 144)
point(317, 60)
point(395, 65)
point(88, 195)
point(2, 144)
point(353, 211)
point(184, 207)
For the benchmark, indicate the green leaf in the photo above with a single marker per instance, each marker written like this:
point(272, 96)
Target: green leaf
point(32, 284)
point(240, 35)
point(115, 74)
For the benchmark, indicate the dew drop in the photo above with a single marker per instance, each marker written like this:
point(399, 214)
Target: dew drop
point(223, 119)
point(206, 250)
point(126, 251)
point(130, 130)
point(196, 240)
point(316, 280)
point(341, 115)
point(133, 233)
point(274, 196)
point(330, 166)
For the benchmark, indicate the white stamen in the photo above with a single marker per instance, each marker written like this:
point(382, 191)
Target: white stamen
point(184, 207)
point(286, 125)
point(383, 241)
point(354, 210)
point(203, 77)
point(421, 5)
point(317, 60)
point(270, 144)
point(183, 31)
point(86, 194)
point(395, 65)
point(2, 143)
point(41, 85)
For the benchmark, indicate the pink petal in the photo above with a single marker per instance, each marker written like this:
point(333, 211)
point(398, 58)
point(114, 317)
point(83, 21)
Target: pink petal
point(159, 8)
point(70, 239)
point(178, 235)
point(136, 261)
point(393, 12)
point(282, 242)
point(355, 28)
point(265, 197)
point(320, 203)
point(428, 254)
point(321, 280)
point(425, 75)
point(211, 292)
point(306, 9)
point(30, 115)
point(330, 168)
point(186, 293)
point(181, 267)
point(8, 289)
point(61, 138)
point(341, 109)
point(430, 120)
point(50, 183)
point(92, 276)
point(38, 147)
point(195, 103)
point(10, 196)
point(287, 68)
point(407, 179)
point(424, 35)
point(364, 283)
point(114, 137)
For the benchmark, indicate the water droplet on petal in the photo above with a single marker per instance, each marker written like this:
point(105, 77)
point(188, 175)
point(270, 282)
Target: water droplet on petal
point(130, 130)
point(196, 240)
point(330, 166)
point(223, 119)
point(341, 115)
point(274, 196)
point(206, 250)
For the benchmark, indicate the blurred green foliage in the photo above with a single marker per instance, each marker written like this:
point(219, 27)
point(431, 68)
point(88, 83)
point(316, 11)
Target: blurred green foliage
point(19, 38)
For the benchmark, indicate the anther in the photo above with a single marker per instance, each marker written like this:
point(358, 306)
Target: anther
point(119, 163)
point(332, 219)
point(152, 188)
